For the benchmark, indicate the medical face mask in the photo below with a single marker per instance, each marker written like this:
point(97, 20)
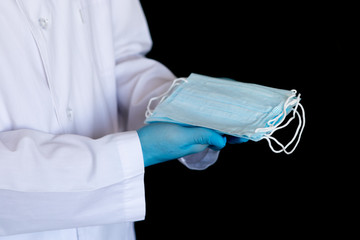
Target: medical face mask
point(230, 107)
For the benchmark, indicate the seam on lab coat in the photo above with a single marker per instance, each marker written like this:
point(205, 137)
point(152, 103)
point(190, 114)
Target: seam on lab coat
point(129, 147)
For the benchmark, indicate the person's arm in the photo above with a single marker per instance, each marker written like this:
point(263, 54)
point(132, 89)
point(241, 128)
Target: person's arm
point(52, 182)
point(140, 78)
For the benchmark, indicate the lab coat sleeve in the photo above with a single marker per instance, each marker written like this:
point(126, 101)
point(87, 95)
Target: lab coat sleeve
point(140, 77)
point(50, 182)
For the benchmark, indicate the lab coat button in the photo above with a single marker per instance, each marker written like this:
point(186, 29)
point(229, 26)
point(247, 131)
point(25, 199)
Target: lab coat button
point(69, 113)
point(43, 22)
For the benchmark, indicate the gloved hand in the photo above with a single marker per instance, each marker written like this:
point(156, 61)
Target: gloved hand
point(236, 140)
point(161, 142)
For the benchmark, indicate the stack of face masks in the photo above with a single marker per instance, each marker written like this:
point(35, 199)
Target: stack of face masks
point(233, 108)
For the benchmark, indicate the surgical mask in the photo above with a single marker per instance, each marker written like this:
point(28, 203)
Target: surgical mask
point(230, 107)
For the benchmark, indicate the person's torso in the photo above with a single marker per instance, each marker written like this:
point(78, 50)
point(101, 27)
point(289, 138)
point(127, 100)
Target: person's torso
point(57, 67)
point(57, 76)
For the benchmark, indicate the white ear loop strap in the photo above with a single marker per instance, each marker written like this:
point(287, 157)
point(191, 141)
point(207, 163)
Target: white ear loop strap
point(297, 135)
point(163, 96)
point(298, 131)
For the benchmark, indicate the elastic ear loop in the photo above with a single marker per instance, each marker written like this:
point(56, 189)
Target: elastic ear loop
point(163, 96)
point(297, 134)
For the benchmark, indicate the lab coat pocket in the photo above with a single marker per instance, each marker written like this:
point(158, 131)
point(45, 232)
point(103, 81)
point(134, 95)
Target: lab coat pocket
point(96, 16)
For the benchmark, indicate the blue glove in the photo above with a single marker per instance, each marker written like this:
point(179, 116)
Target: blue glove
point(161, 142)
point(236, 140)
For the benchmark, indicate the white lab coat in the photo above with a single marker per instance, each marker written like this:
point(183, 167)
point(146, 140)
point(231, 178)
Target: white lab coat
point(74, 85)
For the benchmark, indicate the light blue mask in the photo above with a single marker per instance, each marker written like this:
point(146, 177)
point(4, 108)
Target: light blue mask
point(234, 108)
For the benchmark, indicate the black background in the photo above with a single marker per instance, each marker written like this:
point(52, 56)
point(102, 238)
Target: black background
point(252, 191)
